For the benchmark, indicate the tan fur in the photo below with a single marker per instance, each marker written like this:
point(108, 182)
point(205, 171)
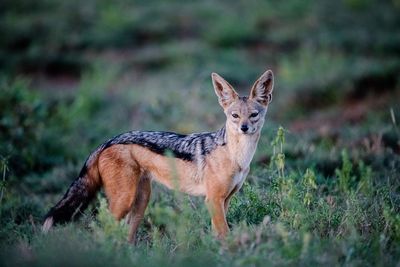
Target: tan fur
point(215, 166)
point(126, 170)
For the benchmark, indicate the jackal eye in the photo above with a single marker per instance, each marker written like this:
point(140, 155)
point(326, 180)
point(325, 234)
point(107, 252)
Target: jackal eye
point(235, 115)
point(254, 114)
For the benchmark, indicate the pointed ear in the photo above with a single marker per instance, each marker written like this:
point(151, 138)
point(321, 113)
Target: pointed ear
point(225, 92)
point(262, 88)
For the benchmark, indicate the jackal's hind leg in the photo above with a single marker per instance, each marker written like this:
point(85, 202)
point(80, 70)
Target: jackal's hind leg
point(139, 206)
point(120, 176)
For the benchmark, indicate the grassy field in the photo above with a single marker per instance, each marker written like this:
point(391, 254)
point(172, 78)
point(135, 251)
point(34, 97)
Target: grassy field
point(324, 186)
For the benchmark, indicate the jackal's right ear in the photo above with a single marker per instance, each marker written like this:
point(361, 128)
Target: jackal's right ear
point(225, 92)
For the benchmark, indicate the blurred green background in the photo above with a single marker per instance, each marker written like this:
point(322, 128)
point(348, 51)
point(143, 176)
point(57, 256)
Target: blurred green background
point(74, 73)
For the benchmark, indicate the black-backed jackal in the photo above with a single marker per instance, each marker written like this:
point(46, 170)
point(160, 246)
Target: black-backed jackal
point(212, 164)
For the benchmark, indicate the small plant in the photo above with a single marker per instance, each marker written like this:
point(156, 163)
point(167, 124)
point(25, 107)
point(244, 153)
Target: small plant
point(365, 184)
point(107, 228)
point(278, 157)
point(392, 222)
point(309, 185)
point(249, 206)
point(344, 174)
point(288, 189)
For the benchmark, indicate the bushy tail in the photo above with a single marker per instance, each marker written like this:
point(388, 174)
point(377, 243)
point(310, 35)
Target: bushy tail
point(78, 195)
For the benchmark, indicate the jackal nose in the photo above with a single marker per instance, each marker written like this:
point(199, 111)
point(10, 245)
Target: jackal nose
point(244, 128)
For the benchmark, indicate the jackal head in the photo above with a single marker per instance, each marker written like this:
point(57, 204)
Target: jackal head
point(245, 115)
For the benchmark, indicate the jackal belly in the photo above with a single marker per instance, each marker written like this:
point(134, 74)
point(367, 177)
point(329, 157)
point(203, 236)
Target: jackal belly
point(172, 172)
point(181, 182)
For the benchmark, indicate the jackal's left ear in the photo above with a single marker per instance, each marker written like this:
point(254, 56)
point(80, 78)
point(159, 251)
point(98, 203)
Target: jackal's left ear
point(262, 88)
point(225, 92)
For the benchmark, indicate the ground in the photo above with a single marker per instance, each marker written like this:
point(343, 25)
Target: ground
point(324, 186)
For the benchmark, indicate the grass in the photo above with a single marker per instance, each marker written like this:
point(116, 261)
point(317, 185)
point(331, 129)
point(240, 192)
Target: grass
point(281, 217)
point(324, 184)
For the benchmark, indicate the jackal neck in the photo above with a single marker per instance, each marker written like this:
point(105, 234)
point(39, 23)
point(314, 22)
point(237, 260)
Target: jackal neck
point(242, 147)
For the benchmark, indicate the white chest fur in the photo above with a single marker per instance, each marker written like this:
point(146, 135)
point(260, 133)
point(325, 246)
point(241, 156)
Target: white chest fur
point(244, 150)
point(239, 177)
point(242, 153)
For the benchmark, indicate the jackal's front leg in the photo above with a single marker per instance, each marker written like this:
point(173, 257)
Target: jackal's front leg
point(216, 208)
